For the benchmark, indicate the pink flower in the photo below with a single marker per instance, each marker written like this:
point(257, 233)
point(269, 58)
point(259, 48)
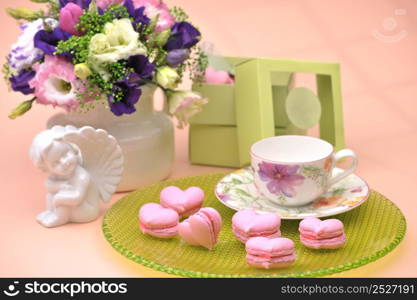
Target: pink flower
point(56, 84)
point(281, 178)
point(103, 4)
point(217, 77)
point(154, 8)
point(69, 17)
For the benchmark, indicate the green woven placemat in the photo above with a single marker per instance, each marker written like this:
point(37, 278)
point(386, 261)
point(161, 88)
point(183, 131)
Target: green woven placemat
point(373, 229)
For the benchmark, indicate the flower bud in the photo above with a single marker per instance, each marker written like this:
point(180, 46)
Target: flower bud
point(24, 13)
point(167, 77)
point(162, 37)
point(152, 23)
point(82, 71)
point(69, 17)
point(177, 56)
point(93, 8)
point(21, 109)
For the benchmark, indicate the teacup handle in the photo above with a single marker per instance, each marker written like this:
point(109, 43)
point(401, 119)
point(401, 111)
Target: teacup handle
point(338, 156)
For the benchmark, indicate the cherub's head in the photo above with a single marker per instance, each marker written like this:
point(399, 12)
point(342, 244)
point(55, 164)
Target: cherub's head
point(54, 156)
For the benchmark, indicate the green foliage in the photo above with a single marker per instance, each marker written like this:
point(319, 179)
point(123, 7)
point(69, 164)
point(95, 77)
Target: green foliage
point(96, 80)
point(117, 71)
point(92, 22)
point(96, 89)
point(115, 11)
point(7, 71)
point(198, 65)
point(76, 45)
point(53, 9)
point(179, 14)
point(97, 85)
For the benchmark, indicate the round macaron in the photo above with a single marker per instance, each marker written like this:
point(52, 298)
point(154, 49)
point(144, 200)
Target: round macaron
point(248, 223)
point(158, 221)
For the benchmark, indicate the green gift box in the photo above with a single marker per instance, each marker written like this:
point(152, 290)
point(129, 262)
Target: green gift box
point(255, 107)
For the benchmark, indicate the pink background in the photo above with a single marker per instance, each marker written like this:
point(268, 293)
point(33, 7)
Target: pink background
point(379, 91)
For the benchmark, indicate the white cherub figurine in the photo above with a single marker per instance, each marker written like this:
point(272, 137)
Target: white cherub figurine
point(84, 166)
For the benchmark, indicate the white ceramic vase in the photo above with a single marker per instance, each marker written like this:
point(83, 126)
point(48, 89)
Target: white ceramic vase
point(146, 138)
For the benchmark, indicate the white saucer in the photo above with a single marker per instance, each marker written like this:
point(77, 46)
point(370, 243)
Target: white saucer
point(237, 191)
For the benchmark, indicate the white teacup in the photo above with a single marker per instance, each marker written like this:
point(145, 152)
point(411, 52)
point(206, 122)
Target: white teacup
point(294, 170)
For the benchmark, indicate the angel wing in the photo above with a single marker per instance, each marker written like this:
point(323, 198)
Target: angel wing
point(101, 154)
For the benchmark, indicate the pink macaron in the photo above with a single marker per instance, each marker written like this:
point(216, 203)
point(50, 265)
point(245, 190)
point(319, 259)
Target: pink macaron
point(202, 228)
point(185, 202)
point(318, 234)
point(267, 253)
point(213, 76)
point(158, 221)
point(248, 223)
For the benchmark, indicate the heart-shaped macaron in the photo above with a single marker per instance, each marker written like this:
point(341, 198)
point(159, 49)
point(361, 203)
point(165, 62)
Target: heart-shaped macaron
point(317, 234)
point(185, 202)
point(268, 253)
point(270, 247)
point(202, 228)
point(248, 223)
point(318, 229)
point(158, 221)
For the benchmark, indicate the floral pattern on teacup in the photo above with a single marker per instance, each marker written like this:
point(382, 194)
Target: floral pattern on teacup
point(328, 201)
point(328, 163)
point(281, 179)
point(238, 191)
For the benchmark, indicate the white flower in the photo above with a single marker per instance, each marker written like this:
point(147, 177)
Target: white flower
point(119, 41)
point(24, 54)
point(167, 77)
point(82, 71)
point(184, 105)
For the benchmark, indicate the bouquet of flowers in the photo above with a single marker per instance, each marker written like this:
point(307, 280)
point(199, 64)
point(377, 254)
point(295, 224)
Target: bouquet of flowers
point(82, 51)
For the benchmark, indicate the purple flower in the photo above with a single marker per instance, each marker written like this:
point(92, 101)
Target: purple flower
point(24, 54)
point(48, 40)
point(20, 82)
point(280, 178)
point(81, 3)
point(130, 93)
point(155, 8)
point(138, 14)
point(177, 56)
point(142, 66)
point(183, 35)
